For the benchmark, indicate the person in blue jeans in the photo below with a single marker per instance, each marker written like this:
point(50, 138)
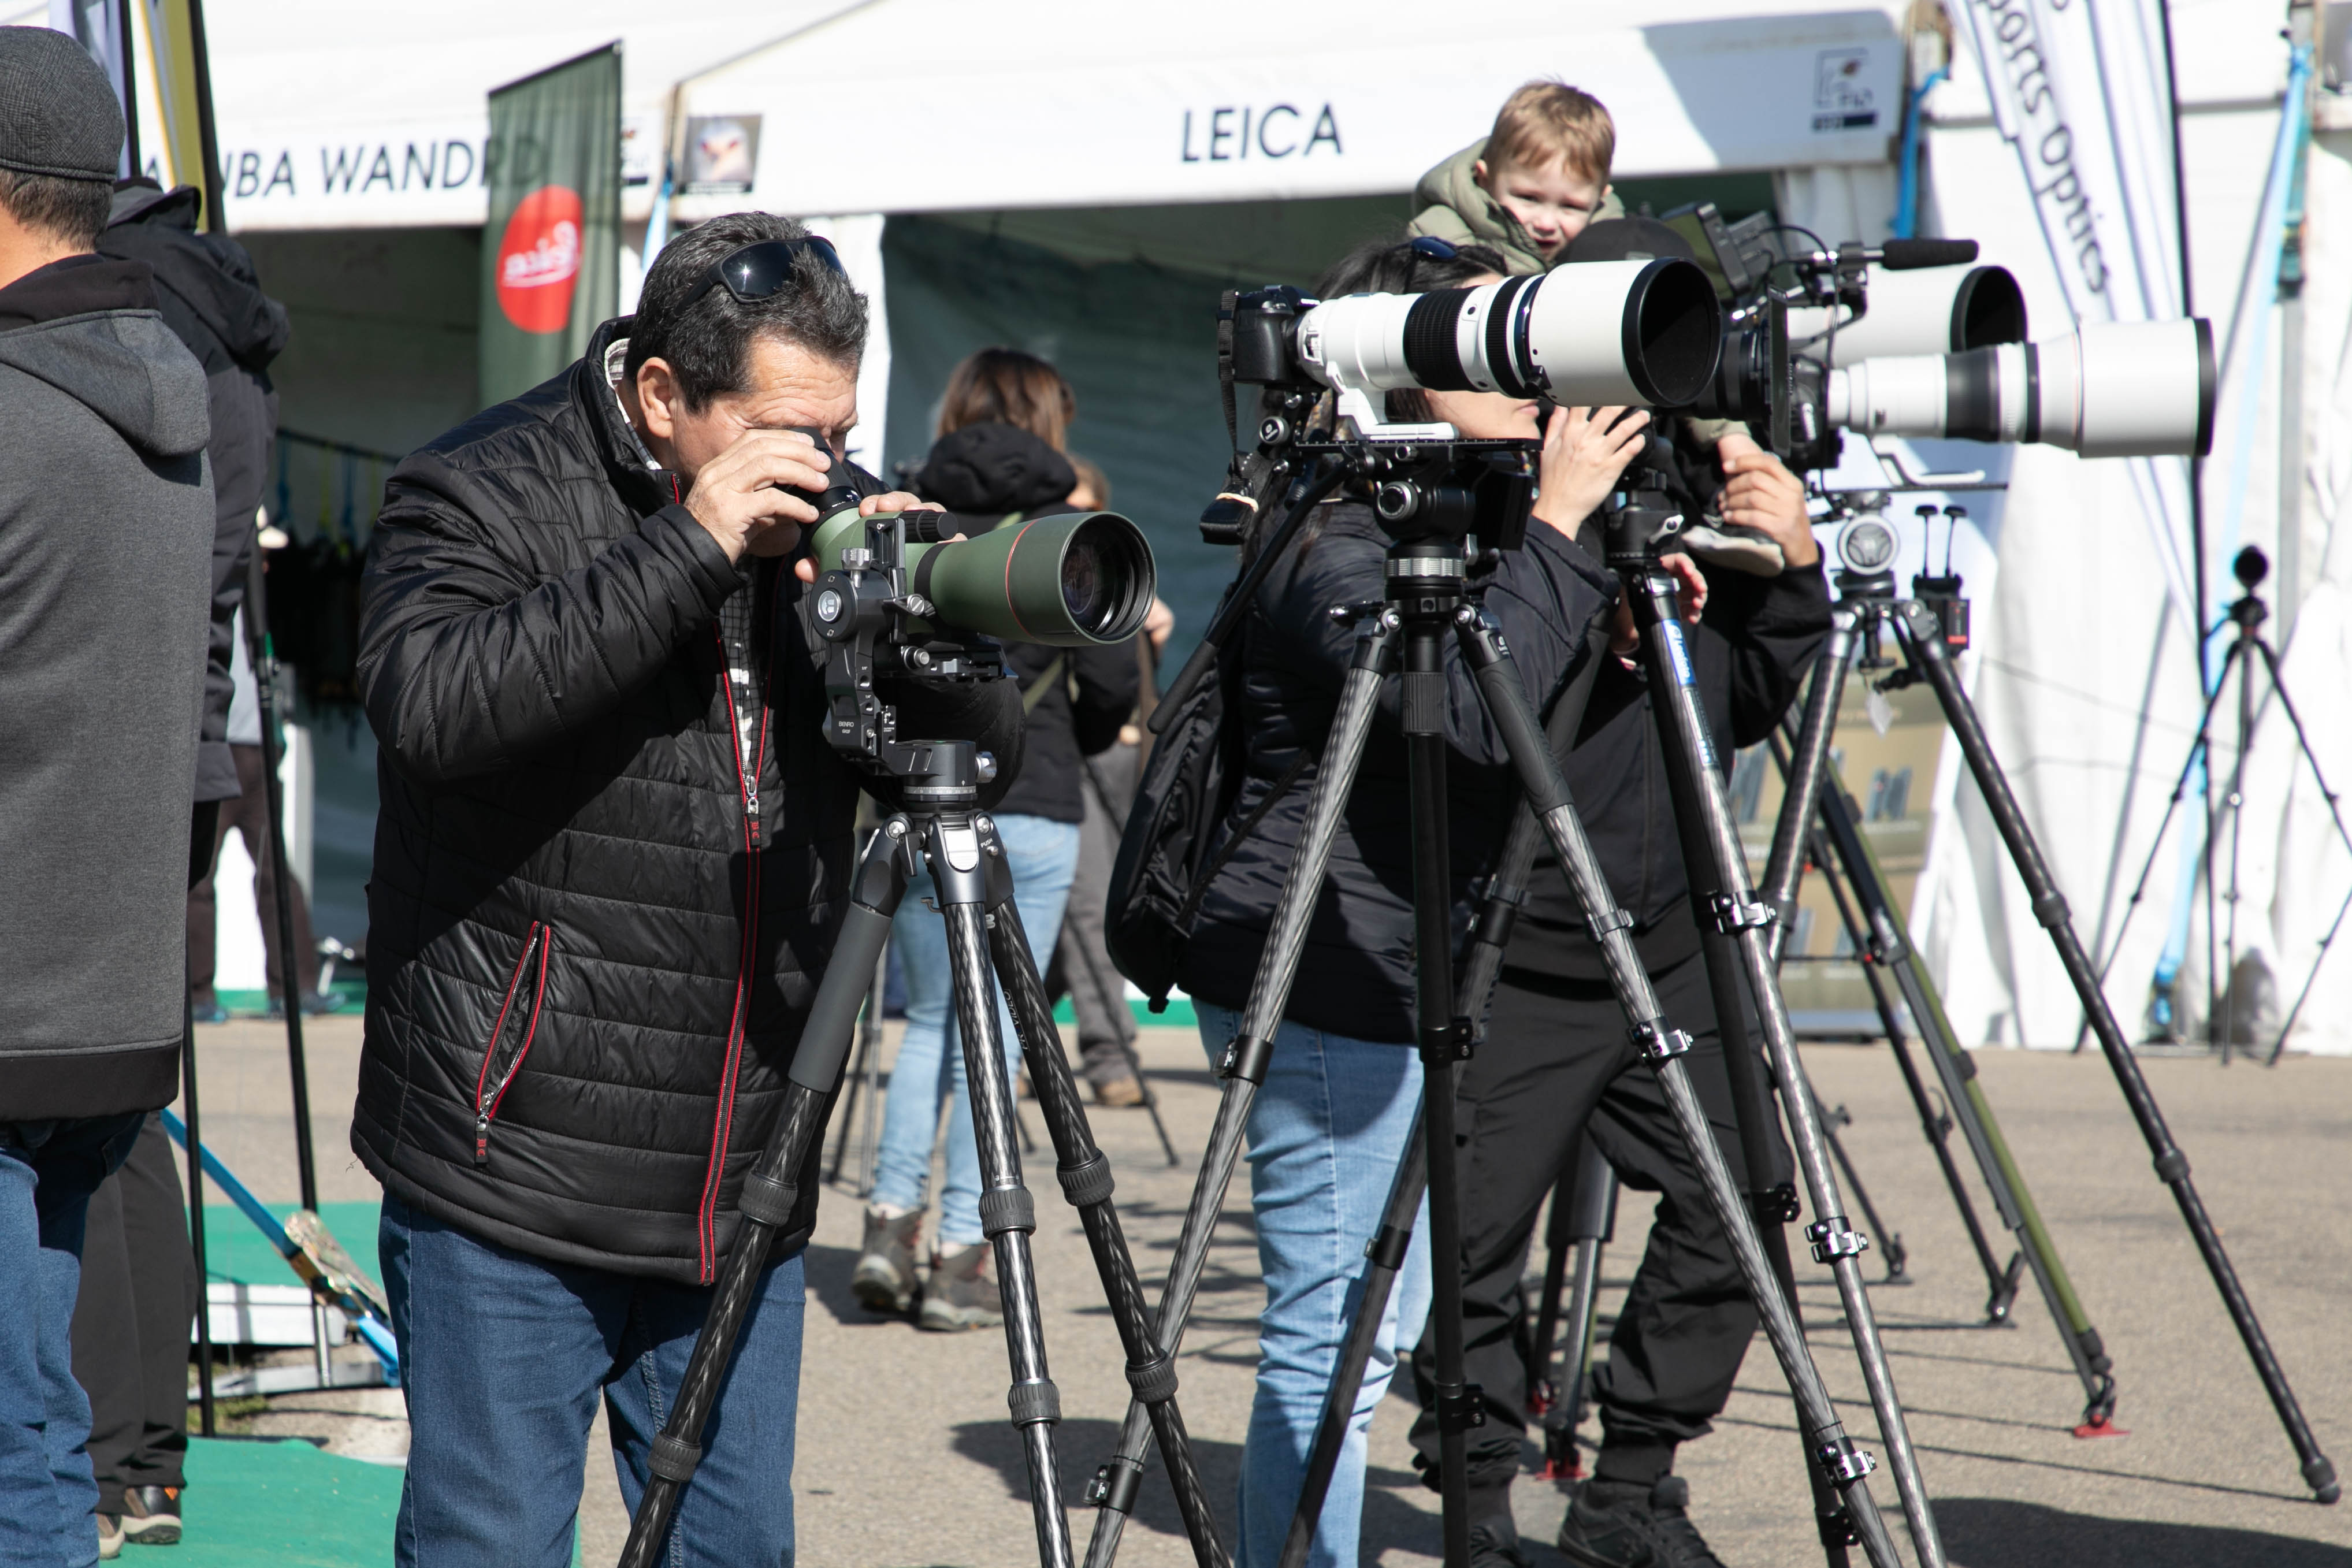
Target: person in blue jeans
point(998, 461)
point(1329, 1122)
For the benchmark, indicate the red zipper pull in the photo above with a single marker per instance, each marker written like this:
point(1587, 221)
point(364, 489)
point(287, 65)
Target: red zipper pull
point(481, 1140)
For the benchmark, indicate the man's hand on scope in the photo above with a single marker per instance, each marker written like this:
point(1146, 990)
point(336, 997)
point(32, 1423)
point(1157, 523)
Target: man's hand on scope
point(743, 497)
point(1761, 493)
point(1584, 450)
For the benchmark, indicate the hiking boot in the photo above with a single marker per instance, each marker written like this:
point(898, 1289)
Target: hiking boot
point(110, 1536)
point(150, 1516)
point(1119, 1093)
point(1612, 1524)
point(885, 1278)
point(1734, 546)
point(962, 1291)
point(1495, 1543)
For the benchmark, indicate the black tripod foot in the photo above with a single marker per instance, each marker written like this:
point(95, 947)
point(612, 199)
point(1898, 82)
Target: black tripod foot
point(2321, 1475)
point(2004, 1295)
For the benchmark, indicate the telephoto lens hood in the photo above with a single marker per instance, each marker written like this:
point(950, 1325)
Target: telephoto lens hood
point(1934, 311)
point(2111, 389)
point(1605, 332)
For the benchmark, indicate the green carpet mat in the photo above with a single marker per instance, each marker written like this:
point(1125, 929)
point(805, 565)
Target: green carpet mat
point(236, 1250)
point(284, 1504)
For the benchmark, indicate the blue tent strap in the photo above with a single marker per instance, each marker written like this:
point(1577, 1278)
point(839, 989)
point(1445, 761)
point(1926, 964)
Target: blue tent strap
point(374, 1331)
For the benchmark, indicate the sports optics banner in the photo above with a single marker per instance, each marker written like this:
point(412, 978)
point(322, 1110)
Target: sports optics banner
point(551, 261)
point(2080, 92)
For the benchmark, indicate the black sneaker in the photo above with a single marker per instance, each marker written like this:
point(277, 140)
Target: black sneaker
point(1495, 1543)
point(885, 1278)
point(1613, 1525)
point(1670, 1505)
point(150, 1515)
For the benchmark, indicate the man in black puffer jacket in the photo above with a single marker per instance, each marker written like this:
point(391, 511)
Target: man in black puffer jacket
point(612, 851)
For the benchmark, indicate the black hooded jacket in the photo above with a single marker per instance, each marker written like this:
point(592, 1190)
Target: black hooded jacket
point(209, 295)
point(597, 923)
point(1356, 975)
point(983, 473)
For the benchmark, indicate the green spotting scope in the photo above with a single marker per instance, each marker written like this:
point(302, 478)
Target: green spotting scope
point(1067, 581)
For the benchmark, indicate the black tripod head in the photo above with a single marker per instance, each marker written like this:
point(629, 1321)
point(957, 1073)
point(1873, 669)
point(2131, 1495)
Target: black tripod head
point(1642, 515)
point(1443, 489)
point(2251, 567)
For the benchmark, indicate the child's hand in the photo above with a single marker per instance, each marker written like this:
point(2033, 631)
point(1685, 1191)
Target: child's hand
point(1584, 450)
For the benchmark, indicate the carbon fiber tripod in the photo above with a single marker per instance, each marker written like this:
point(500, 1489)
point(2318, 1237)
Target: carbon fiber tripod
point(943, 824)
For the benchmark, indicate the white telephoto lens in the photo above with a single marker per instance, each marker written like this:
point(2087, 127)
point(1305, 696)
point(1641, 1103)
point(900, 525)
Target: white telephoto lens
point(1931, 311)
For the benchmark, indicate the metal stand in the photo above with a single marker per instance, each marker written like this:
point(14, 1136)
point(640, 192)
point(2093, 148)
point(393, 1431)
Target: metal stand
point(975, 897)
point(1720, 885)
point(204, 1413)
point(262, 654)
point(1921, 636)
point(2248, 613)
point(1425, 600)
point(1583, 1220)
point(1817, 811)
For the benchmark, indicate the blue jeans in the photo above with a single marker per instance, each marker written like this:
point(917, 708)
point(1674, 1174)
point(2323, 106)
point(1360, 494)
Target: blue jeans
point(501, 1358)
point(930, 1066)
point(48, 1501)
point(1324, 1134)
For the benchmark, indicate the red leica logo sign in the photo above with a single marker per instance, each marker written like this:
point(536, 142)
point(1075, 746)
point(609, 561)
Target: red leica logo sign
point(539, 260)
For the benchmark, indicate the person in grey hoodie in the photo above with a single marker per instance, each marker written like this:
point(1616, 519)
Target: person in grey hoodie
point(106, 531)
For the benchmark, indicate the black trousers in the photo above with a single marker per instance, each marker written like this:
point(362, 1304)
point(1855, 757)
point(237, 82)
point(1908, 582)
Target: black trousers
point(132, 1321)
point(249, 814)
point(1556, 1064)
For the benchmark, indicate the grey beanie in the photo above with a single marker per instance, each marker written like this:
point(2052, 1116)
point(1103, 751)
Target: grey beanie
point(57, 112)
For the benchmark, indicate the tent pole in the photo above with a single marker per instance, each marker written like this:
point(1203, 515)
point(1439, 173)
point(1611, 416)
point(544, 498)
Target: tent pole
point(2187, 308)
point(208, 133)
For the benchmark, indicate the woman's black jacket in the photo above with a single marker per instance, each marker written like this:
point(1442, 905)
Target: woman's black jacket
point(1356, 977)
point(595, 926)
point(981, 473)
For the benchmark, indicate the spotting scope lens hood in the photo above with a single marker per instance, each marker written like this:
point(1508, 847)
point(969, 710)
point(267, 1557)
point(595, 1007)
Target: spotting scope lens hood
point(1600, 333)
point(2110, 389)
point(1067, 581)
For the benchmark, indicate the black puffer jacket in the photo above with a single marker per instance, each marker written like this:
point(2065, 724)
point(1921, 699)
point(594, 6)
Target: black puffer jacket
point(982, 473)
point(1749, 653)
point(1356, 977)
point(209, 295)
point(593, 942)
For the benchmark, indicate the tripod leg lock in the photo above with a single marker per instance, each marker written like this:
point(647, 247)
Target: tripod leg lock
point(1841, 1461)
point(1003, 1209)
point(1605, 922)
point(1386, 1248)
point(1776, 1206)
point(1462, 1409)
point(1154, 1381)
point(1088, 1183)
point(1114, 1486)
point(1033, 1403)
point(673, 1458)
point(1832, 1239)
point(2172, 1165)
point(1656, 1042)
point(767, 1201)
point(1246, 1058)
point(2050, 908)
point(1734, 914)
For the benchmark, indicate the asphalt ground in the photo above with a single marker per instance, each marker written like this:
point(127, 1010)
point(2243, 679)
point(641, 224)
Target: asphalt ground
point(905, 1457)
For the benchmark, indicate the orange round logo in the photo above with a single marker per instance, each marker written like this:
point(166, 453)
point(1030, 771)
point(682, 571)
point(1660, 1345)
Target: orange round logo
point(539, 260)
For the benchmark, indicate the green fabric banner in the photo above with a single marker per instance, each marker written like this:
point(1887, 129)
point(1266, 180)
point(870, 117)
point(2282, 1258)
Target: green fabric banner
point(550, 250)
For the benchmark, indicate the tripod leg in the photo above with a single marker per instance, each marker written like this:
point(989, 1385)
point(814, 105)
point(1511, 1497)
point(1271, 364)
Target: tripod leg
point(1591, 1224)
point(772, 1189)
point(1934, 1123)
point(1927, 656)
point(1007, 1216)
point(1888, 947)
point(1718, 872)
point(1840, 1464)
point(1891, 1241)
point(1086, 1179)
point(204, 1409)
point(849, 1101)
point(870, 1050)
point(2334, 812)
point(1114, 1486)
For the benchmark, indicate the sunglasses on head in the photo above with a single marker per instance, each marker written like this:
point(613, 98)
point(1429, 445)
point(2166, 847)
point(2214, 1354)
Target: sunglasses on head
point(764, 269)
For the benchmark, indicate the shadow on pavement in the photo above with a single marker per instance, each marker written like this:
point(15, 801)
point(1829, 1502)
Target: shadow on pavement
point(1986, 1532)
point(1080, 1445)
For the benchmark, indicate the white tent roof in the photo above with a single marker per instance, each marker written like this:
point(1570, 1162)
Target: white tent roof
point(1071, 102)
point(350, 115)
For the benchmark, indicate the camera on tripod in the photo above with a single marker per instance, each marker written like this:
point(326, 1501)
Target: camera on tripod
point(898, 598)
point(1938, 348)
